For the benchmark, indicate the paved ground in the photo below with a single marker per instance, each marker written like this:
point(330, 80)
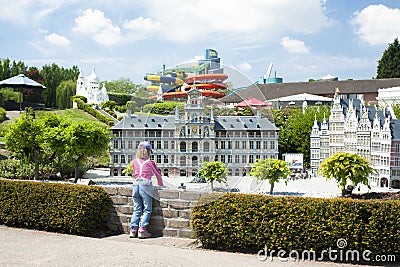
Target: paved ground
point(22, 247)
point(314, 187)
point(12, 114)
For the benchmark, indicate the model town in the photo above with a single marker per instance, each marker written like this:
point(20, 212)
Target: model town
point(182, 141)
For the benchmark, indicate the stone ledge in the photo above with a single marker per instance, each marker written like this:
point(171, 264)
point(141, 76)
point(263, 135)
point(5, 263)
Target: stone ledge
point(169, 194)
point(119, 200)
point(178, 223)
point(125, 191)
point(189, 195)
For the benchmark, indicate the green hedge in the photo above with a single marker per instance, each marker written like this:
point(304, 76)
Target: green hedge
point(95, 113)
point(122, 99)
point(54, 207)
point(255, 222)
point(163, 108)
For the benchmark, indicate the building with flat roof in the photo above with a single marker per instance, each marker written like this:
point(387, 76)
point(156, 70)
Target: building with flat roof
point(349, 89)
point(183, 141)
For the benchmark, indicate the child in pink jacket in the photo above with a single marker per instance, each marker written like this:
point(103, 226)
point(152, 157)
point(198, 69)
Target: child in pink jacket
point(143, 169)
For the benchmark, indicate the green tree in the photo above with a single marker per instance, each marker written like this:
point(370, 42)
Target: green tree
point(122, 86)
point(389, 64)
point(346, 167)
point(132, 106)
point(53, 75)
point(24, 139)
point(142, 93)
point(78, 140)
point(64, 93)
point(5, 70)
point(213, 172)
point(271, 170)
point(295, 127)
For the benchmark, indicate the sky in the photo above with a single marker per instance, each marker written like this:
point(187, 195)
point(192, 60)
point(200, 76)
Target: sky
point(307, 39)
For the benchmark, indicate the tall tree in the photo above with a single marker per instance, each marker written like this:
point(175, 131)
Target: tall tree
point(389, 64)
point(53, 75)
point(64, 92)
point(213, 172)
point(34, 74)
point(272, 170)
point(295, 127)
point(17, 68)
point(122, 86)
point(347, 167)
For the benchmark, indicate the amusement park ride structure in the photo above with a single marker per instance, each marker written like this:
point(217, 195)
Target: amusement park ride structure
point(206, 75)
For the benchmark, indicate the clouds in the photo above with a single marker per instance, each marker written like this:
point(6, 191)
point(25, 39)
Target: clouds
point(300, 37)
point(237, 21)
point(56, 39)
point(141, 28)
point(245, 21)
point(244, 66)
point(294, 46)
point(94, 24)
point(377, 24)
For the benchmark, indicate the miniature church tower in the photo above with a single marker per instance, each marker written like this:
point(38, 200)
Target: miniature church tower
point(90, 88)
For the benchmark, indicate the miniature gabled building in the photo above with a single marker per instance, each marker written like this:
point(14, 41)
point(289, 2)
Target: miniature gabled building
point(362, 130)
point(183, 141)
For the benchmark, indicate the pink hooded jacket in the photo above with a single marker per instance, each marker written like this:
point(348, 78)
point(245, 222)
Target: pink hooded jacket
point(147, 170)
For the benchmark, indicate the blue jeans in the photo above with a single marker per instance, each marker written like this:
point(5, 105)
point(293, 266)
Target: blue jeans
point(142, 195)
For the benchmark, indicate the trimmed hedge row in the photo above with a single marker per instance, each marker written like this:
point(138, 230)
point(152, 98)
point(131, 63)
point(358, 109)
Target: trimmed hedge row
point(95, 113)
point(54, 207)
point(163, 108)
point(122, 99)
point(255, 222)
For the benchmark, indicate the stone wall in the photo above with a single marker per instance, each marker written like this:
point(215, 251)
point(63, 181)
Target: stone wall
point(170, 216)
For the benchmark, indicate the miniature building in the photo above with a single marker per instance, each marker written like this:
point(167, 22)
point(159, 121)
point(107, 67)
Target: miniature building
point(182, 142)
point(362, 130)
point(90, 88)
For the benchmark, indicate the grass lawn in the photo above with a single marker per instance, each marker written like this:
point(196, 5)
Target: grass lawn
point(73, 114)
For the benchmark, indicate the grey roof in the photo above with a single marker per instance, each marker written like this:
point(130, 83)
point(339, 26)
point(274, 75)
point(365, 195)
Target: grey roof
point(248, 123)
point(146, 122)
point(395, 129)
point(323, 88)
point(222, 123)
point(372, 110)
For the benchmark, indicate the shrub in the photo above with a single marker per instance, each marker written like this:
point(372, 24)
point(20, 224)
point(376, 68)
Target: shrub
point(163, 108)
point(108, 104)
point(16, 169)
point(3, 114)
point(122, 99)
point(254, 222)
point(87, 108)
point(54, 207)
point(121, 109)
point(4, 128)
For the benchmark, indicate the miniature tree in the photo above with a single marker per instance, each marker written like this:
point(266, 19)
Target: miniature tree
point(346, 167)
point(213, 171)
point(271, 170)
point(25, 139)
point(78, 140)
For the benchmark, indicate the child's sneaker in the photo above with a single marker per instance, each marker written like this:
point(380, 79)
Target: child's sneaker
point(133, 232)
point(143, 233)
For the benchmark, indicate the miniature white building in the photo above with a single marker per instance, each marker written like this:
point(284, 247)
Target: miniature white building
point(90, 88)
point(388, 96)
